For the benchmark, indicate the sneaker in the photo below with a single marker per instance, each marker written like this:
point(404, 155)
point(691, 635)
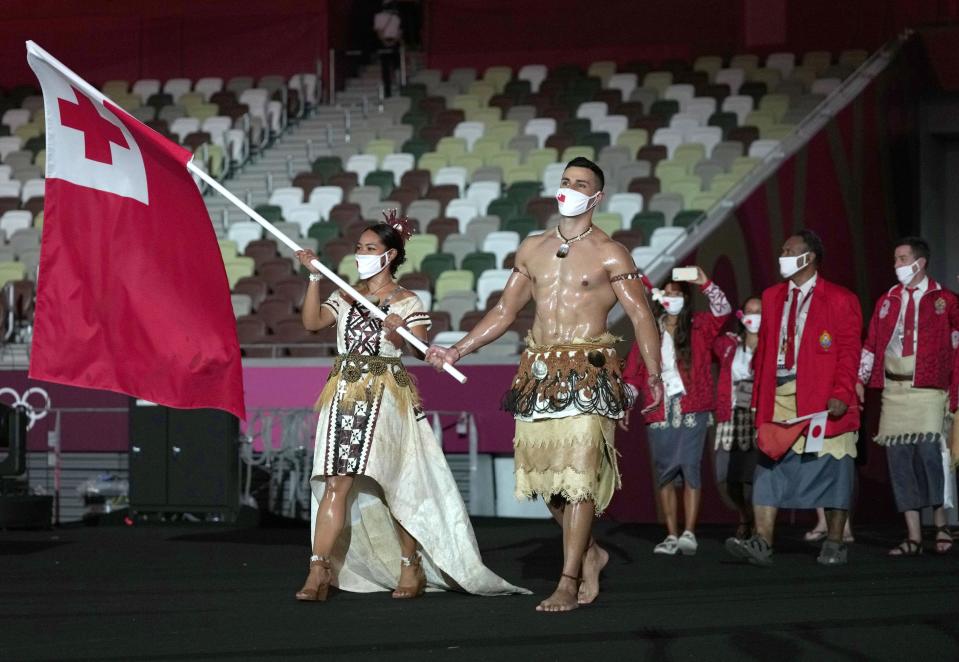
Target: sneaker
point(668, 546)
point(687, 543)
point(755, 550)
point(833, 553)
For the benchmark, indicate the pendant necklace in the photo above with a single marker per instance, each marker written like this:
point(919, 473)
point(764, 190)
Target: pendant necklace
point(564, 247)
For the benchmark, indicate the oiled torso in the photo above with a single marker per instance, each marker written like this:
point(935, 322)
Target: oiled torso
point(573, 295)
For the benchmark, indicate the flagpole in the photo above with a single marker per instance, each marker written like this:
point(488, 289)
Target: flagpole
point(292, 245)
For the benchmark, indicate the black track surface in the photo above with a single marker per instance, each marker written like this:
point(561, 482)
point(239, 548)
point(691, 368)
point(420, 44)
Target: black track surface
point(202, 592)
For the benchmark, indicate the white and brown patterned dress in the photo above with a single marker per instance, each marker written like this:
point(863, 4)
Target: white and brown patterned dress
point(372, 428)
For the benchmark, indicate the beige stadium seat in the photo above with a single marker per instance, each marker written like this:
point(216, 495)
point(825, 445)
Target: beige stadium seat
point(534, 73)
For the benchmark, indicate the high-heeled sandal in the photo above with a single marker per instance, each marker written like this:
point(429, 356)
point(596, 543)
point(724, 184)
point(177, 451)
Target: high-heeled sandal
point(320, 592)
point(407, 591)
point(943, 545)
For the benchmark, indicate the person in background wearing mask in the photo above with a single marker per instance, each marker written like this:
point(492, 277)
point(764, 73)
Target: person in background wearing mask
point(806, 362)
point(910, 353)
point(568, 392)
point(735, 428)
point(377, 465)
point(677, 428)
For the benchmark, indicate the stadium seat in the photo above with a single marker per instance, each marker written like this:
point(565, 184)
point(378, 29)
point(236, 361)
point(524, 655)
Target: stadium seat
point(627, 205)
point(362, 164)
point(668, 203)
point(435, 264)
point(470, 132)
point(501, 243)
point(454, 175)
point(663, 238)
point(450, 281)
point(490, 281)
point(243, 233)
point(542, 128)
point(740, 105)
point(761, 148)
point(464, 210)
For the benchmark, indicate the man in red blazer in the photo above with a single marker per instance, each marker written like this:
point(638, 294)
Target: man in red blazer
point(807, 361)
point(910, 353)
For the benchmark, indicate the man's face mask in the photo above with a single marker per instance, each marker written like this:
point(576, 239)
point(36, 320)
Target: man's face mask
point(573, 203)
point(790, 265)
point(907, 272)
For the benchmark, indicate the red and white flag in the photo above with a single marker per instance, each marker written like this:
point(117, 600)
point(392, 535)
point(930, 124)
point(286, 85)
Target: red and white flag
point(775, 438)
point(132, 295)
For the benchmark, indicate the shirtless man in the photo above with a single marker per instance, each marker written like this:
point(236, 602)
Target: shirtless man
point(568, 392)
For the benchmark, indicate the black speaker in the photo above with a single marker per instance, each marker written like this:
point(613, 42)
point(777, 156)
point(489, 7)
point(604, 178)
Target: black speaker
point(183, 460)
point(13, 440)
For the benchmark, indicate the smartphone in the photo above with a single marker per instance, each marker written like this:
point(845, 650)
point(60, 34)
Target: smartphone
point(685, 273)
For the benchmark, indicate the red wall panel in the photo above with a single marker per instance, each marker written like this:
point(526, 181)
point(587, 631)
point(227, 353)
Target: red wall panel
point(101, 39)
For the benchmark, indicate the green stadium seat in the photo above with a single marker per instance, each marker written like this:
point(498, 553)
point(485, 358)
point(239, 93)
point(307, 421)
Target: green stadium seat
point(647, 221)
point(522, 225)
point(435, 264)
point(504, 208)
point(520, 193)
point(327, 166)
point(323, 232)
point(479, 262)
point(688, 217)
point(382, 179)
point(272, 213)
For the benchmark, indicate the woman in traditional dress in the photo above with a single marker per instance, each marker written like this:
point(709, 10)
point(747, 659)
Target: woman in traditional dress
point(387, 513)
point(735, 418)
point(677, 429)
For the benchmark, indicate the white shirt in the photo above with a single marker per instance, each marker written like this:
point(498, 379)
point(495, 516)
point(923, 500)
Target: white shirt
point(742, 363)
point(805, 297)
point(672, 380)
point(894, 348)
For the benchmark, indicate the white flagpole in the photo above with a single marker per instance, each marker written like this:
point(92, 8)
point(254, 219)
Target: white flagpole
point(342, 284)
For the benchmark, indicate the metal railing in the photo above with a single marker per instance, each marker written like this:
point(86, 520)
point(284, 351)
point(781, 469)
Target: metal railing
point(289, 459)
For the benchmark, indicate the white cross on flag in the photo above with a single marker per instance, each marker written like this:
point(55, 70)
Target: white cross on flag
point(132, 294)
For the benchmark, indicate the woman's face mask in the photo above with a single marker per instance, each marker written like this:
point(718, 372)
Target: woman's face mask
point(673, 305)
point(752, 321)
point(370, 265)
point(573, 203)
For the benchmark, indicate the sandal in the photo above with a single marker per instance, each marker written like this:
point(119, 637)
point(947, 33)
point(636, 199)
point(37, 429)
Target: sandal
point(319, 592)
point(410, 591)
point(943, 545)
point(907, 548)
point(815, 535)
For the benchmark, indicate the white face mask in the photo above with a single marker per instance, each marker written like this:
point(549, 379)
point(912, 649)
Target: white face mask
point(370, 265)
point(906, 273)
point(673, 305)
point(751, 322)
point(573, 203)
point(790, 265)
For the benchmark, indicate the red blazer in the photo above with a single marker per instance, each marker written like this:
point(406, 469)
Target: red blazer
point(700, 392)
point(828, 360)
point(937, 362)
point(725, 350)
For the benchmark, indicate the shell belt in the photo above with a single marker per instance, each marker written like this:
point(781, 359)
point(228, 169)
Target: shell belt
point(353, 366)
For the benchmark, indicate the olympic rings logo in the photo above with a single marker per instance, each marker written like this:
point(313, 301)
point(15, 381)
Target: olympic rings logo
point(34, 413)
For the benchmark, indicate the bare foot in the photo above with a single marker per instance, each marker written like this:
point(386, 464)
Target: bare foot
point(562, 599)
point(594, 561)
